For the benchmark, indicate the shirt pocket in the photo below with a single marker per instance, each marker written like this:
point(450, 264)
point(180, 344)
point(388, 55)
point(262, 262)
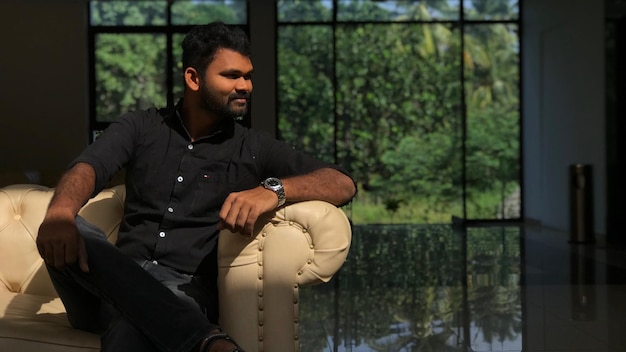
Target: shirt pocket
point(213, 188)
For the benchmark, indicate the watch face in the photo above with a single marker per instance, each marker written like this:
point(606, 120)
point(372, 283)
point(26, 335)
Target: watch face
point(276, 185)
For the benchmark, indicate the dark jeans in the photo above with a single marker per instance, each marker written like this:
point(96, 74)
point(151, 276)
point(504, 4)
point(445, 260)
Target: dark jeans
point(134, 306)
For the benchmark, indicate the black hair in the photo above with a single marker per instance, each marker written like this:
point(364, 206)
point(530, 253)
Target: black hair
point(202, 42)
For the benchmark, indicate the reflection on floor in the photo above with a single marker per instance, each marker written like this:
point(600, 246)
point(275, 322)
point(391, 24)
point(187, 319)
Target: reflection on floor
point(439, 288)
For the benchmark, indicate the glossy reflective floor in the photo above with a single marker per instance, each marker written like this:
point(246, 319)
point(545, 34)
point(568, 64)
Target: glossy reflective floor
point(439, 288)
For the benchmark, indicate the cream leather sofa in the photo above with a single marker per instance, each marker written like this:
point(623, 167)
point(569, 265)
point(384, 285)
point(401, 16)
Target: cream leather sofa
point(259, 278)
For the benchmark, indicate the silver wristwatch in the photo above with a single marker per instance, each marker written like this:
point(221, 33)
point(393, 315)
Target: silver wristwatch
point(274, 184)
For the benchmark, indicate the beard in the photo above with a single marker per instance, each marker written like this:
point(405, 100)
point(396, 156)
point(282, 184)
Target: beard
point(224, 109)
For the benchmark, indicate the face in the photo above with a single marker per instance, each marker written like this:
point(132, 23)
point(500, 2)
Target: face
point(226, 87)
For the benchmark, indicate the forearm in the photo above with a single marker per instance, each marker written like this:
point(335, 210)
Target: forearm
point(324, 184)
point(73, 190)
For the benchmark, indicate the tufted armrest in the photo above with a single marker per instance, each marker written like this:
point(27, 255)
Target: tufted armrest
point(22, 209)
point(301, 244)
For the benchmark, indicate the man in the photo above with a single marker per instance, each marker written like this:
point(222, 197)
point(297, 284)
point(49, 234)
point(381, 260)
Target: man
point(190, 172)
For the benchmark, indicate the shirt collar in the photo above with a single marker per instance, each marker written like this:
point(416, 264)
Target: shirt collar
point(226, 126)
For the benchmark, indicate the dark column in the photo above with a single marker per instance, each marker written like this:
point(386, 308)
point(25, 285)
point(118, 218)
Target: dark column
point(616, 127)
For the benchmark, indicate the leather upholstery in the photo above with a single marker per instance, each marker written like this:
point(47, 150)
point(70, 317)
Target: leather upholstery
point(259, 277)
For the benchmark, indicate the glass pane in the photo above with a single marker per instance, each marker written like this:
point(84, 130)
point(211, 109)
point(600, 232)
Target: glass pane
point(401, 289)
point(188, 12)
point(304, 11)
point(491, 9)
point(397, 10)
point(130, 73)
point(305, 89)
point(493, 121)
point(399, 121)
point(128, 13)
point(434, 288)
point(494, 292)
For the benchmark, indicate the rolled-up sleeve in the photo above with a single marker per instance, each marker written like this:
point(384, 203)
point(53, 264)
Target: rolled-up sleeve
point(110, 152)
point(279, 159)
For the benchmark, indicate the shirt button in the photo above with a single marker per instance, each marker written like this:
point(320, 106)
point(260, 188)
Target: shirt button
point(162, 234)
point(171, 210)
point(180, 179)
point(190, 147)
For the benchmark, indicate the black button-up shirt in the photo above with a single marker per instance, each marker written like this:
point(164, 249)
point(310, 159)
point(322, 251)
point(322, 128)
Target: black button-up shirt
point(175, 188)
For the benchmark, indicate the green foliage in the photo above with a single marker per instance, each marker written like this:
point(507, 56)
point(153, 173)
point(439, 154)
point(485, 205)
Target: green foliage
point(397, 109)
point(128, 13)
point(129, 73)
point(302, 11)
point(189, 12)
point(306, 90)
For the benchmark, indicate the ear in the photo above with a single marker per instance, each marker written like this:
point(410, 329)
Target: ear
point(192, 79)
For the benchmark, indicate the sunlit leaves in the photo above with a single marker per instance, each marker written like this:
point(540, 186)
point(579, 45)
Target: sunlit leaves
point(398, 105)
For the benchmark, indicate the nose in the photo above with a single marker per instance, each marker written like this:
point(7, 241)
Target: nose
point(243, 84)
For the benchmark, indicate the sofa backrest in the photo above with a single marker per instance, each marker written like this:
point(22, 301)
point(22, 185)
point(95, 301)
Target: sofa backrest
point(22, 209)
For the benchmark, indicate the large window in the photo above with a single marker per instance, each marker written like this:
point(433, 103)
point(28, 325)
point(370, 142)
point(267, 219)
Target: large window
point(418, 99)
point(136, 53)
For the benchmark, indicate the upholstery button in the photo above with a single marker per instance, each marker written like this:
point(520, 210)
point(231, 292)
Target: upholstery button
point(260, 248)
point(260, 294)
point(308, 261)
point(179, 179)
point(17, 216)
point(311, 246)
point(190, 146)
point(291, 223)
point(170, 209)
point(296, 337)
point(162, 234)
point(304, 230)
point(296, 321)
point(260, 338)
point(260, 263)
point(155, 262)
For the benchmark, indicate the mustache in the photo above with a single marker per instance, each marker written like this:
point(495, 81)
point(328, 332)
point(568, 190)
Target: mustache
point(239, 96)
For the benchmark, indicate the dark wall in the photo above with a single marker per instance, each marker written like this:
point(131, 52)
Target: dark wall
point(616, 127)
point(43, 88)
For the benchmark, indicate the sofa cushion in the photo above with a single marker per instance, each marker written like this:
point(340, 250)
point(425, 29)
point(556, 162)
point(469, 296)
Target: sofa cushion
point(38, 323)
point(22, 209)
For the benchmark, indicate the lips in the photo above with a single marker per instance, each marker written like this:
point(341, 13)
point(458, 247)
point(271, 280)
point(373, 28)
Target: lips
point(240, 101)
point(244, 97)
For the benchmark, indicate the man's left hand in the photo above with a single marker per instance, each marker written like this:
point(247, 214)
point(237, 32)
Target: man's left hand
point(241, 209)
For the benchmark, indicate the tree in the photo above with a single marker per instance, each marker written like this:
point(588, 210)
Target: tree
point(396, 112)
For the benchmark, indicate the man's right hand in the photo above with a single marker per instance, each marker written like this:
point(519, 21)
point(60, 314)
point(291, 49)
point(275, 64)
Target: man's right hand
point(60, 244)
